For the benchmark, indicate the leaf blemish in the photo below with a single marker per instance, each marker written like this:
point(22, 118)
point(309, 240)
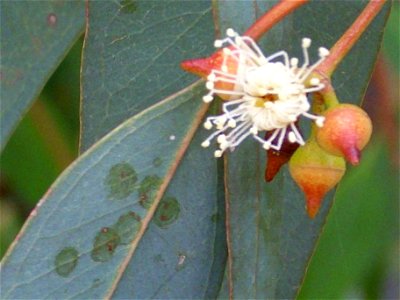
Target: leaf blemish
point(66, 261)
point(148, 190)
point(121, 181)
point(128, 6)
point(157, 161)
point(158, 258)
point(167, 212)
point(127, 227)
point(104, 245)
point(52, 19)
point(181, 261)
point(215, 217)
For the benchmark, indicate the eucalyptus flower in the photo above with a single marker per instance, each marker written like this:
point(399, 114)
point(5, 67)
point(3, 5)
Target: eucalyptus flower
point(261, 93)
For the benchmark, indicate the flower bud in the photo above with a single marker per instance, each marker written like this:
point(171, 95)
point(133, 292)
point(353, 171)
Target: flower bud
point(316, 172)
point(346, 131)
point(277, 158)
point(221, 61)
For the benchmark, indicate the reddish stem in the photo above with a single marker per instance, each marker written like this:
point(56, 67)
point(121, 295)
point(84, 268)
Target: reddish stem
point(273, 16)
point(350, 37)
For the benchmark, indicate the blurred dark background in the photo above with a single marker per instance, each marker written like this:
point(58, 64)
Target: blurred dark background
point(344, 266)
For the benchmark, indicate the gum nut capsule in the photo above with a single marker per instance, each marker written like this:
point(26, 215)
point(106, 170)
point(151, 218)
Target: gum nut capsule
point(316, 172)
point(346, 131)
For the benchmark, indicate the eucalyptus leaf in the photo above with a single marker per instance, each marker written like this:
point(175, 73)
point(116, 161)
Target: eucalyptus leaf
point(185, 259)
point(81, 236)
point(35, 37)
point(132, 54)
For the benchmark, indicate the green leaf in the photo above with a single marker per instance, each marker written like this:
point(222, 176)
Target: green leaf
point(132, 54)
point(391, 40)
point(35, 36)
point(270, 237)
point(22, 177)
point(82, 235)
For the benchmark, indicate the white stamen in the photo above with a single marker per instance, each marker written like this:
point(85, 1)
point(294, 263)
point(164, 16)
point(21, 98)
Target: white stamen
point(227, 51)
point(218, 43)
point(207, 125)
point(315, 81)
point(299, 138)
point(205, 144)
point(218, 153)
point(323, 52)
point(263, 93)
point(208, 98)
point(211, 77)
point(292, 137)
point(253, 130)
point(320, 122)
point(266, 145)
point(209, 85)
point(232, 123)
point(305, 42)
point(230, 32)
point(221, 138)
point(294, 62)
point(221, 120)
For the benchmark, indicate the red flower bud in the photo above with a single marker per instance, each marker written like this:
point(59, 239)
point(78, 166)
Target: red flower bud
point(346, 131)
point(203, 66)
point(277, 158)
point(200, 66)
point(316, 172)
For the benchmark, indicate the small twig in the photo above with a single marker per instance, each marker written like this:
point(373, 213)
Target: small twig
point(350, 37)
point(273, 16)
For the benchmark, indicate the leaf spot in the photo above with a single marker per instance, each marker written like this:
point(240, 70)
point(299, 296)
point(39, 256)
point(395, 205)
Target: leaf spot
point(167, 212)
point(148, 190)
point(215, 217)
point(157, 162)
point(128, 6)
point(127, 227)
point(181, 261)
point(66, 261)
point(121, 181)
point(104, 245)
point(52, 19)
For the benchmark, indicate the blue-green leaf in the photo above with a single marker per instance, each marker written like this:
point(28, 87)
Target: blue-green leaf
point(35, 36)
point(82, 235)
point(132, 54)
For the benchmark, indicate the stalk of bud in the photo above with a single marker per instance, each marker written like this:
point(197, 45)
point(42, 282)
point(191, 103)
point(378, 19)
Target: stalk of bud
point(316, 172)
point(346, 131)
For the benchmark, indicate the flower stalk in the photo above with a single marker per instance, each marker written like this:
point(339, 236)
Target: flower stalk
point(350, 37)
point(273, 16)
